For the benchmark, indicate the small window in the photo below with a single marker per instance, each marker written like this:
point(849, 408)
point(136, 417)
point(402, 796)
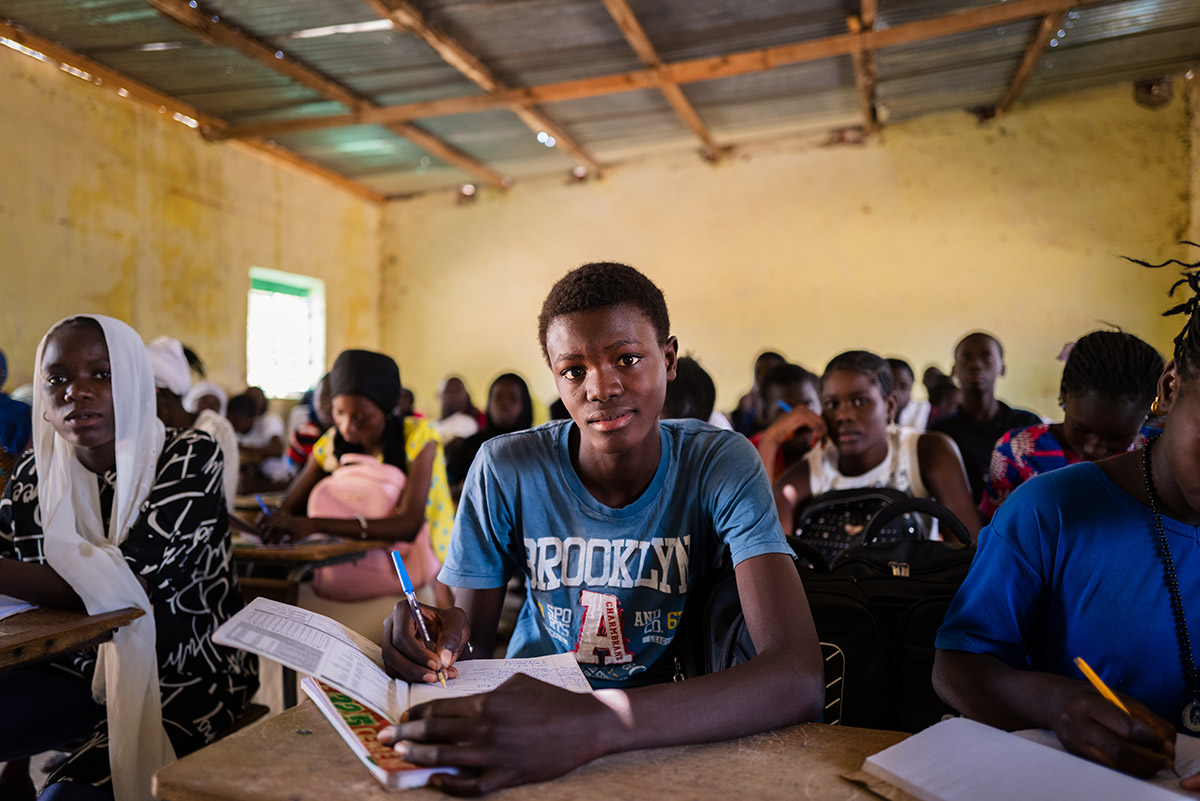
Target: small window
point(285, 332)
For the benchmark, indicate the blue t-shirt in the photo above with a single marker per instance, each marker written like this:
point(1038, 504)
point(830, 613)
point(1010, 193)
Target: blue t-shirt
point(608, 584)
point(1070, 567)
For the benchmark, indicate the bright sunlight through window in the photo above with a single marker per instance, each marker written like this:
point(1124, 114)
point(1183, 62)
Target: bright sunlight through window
point(285, 332)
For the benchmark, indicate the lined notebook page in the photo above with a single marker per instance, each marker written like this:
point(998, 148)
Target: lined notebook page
point(962, 760)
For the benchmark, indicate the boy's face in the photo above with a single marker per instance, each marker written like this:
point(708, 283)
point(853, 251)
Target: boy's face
point(978, 363)
point(612, 375)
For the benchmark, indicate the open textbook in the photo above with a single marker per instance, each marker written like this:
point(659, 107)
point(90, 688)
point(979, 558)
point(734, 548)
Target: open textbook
point(349, 663)
point(963, 760)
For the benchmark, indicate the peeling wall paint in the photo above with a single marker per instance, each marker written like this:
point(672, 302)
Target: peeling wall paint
point(901, 246)
point(107, 206)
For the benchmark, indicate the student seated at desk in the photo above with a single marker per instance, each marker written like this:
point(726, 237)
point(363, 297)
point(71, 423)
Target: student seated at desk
point(862, 450)
point(1100, 561)
point(364, 387)
point(112, 510)
point(611, 516)
point(1107, 386)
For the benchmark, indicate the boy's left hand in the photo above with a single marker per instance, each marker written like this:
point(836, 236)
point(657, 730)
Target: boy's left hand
point(523, 731)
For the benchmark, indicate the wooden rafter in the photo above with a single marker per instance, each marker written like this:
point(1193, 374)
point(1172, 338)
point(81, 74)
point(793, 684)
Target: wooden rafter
point(408, 17)
point(701, 69)
point(215, 31)
point(864, 78)
point(636, 36)
point(209, 125)
point(1037, 47)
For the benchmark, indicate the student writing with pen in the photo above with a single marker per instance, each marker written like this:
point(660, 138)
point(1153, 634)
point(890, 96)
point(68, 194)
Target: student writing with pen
point(1098, 559)
point(612, 516)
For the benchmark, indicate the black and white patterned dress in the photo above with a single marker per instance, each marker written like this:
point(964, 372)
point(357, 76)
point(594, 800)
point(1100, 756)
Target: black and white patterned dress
point(180, 547)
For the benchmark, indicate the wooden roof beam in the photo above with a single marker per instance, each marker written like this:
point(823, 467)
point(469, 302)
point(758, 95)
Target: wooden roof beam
point(1046, 30)
point(636, 36)
point(701, 69)
point(408, 17)
point(864, 79)
point(214, 31)
point(210, 126)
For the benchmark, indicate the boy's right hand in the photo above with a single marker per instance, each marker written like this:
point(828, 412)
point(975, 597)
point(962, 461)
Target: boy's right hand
point(1140, 743)
point(405, 654)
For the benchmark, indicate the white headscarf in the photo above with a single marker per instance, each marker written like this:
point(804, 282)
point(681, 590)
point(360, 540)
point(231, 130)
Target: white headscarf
point(170, 366)
point(198, 391)
point(89, 559)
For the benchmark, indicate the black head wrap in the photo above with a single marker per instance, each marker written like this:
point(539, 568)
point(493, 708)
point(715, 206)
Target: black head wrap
point(377, 378)
point(371, 375)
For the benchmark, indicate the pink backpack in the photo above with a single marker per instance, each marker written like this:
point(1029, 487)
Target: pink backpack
point(363, 485)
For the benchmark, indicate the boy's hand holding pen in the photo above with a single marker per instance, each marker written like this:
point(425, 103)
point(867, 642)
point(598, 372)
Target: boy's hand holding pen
point(421, 647)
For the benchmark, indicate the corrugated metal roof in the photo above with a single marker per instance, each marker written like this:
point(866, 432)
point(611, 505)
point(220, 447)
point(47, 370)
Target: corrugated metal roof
point(535, 42)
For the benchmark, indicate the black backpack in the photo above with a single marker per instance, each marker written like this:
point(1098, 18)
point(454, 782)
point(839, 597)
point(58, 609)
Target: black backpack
point(909, 585)
point(834, 521)
point(713, 636)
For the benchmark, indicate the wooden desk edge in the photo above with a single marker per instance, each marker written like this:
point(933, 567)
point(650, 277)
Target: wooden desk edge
point(297, 755)
point(43, 632)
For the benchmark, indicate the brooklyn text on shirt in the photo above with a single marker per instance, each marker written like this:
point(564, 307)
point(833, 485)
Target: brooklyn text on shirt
point(660, 563)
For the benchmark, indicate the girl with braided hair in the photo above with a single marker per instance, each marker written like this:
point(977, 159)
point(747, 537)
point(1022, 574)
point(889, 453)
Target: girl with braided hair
point(1100, 561)
point(1107, 388)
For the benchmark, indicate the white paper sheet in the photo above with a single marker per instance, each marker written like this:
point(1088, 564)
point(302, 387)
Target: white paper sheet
point(10, 606)
point(962, 760)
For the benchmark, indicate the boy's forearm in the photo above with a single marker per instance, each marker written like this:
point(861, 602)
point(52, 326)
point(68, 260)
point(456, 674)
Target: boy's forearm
point(769, 692)
point(986, 689)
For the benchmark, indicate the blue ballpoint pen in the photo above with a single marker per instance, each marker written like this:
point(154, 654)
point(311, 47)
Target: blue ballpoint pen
point(411, 595)
point(262, 505)
point(787, 407)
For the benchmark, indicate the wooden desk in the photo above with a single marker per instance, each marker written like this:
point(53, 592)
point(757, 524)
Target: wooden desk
point(297, 756)
point(43, 633)
point(299, 559)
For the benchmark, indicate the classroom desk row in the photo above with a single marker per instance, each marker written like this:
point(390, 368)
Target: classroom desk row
point(297, 756)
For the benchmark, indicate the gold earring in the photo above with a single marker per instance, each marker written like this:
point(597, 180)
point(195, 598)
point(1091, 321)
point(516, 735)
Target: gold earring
point(1155, 409)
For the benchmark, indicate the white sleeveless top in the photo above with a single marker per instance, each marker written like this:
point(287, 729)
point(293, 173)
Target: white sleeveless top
point(900, 469)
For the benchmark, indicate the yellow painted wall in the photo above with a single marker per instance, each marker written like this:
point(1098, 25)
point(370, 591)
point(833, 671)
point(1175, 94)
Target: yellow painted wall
point(900, 246)
point(107, 206)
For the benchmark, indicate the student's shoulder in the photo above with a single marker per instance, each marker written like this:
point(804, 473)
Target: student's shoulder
point(179, 442)
point(537, 443)
point(695, 441)
point(1048, 496)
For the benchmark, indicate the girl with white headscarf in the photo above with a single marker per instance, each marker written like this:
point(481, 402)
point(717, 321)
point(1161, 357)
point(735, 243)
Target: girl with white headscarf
point(112, 511)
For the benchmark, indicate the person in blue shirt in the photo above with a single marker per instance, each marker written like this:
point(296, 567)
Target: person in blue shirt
point(1100, 561)
point(610, 516)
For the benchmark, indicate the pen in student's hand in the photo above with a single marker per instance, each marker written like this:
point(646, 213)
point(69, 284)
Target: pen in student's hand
point(411, 595)
point(263, 505)
point(1103, 689)
point(782, 404)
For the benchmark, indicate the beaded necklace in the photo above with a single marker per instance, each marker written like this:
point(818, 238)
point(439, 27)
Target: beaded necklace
point(1191, 674)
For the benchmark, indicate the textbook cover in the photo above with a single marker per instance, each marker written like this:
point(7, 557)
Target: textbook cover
point(359, 726)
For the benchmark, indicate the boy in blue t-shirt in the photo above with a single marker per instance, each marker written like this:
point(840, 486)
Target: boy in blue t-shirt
point(610, 516)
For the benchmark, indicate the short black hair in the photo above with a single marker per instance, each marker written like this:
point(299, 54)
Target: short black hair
point(900, 364)
point(865, 363)
point(601, 285)
point(783, 374)
point(240, 406)
point(984, 335)
point(691, 394)
point(1113, 364)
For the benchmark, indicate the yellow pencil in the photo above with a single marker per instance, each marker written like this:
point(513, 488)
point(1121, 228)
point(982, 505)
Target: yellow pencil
point(1099, 685)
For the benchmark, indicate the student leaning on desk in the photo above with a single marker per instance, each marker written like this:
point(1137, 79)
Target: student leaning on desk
point(1100, 561)
point(609, 515)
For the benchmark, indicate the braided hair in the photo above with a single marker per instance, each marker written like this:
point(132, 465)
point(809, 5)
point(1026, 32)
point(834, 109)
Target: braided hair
point(1187, 342)
point(1113, 364)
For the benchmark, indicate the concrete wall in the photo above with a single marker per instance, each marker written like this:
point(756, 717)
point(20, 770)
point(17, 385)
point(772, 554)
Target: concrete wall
point(107, 206)
point(900, 246)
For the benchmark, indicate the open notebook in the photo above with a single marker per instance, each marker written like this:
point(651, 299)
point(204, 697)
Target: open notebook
point(350, 664)
point(962, 760)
